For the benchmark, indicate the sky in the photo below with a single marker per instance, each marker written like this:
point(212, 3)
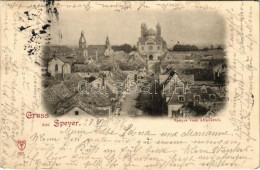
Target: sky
point(194, 27)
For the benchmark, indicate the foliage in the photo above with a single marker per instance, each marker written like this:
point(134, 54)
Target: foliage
point(200, 110)
point(156, 67)
point(179, 47)
point(152, 104)
point(134, 48)
point(125, 47)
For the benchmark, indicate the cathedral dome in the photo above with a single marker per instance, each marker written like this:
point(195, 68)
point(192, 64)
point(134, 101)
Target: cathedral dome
point(151, 32)
point(82, 38)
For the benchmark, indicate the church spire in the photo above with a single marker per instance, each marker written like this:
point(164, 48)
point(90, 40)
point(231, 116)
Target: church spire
point(107, 42)
point(158, 29)
point(143, 30)
point(82, 40)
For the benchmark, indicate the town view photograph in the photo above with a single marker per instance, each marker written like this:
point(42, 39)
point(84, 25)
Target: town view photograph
point(150, 64)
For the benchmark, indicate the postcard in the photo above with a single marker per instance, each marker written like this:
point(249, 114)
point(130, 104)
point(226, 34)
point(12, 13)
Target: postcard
point(129, 85)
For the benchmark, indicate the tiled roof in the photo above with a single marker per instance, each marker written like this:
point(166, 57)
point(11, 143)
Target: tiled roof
point(59, 92)
point(193, 91)
point(66, 59)
point(200, 74)
point(87, 102)
point(99, 48)
point(117, 74)
point(72, 82)
point(62, 90)
point(192, 109)
point(50, 97)
point(80, 60)
point(85, 68)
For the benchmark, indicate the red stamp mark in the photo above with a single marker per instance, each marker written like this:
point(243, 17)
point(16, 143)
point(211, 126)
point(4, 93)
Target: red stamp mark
point(21, 144)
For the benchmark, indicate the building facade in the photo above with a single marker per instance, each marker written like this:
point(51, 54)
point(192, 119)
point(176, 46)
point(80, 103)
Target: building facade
point(92, 52)
point(151, 44)
point(57, 66)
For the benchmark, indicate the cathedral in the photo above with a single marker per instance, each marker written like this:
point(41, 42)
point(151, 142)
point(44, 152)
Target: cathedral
point(151, 44)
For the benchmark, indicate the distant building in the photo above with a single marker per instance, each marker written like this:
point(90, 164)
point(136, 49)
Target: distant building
point(64, 98)
point(83, 52)
point(151, 44)
point(92, 52)
point(96, 51)
point(195, 99)
point(108, 50)
point(58, 66)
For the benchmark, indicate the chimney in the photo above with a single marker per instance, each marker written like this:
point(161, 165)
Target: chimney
point(103, 80)
point(96, 55)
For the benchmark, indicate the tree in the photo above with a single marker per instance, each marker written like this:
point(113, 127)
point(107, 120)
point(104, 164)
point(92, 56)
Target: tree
point(125, 47)
point(219, 47)
point(205, 49)
point(156, 67)
point(179, 47)
point(134, 48)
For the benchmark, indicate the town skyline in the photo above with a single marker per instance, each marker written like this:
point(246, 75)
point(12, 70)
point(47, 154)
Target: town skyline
point(203, 29)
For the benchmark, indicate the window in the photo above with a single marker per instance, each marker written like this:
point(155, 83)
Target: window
point(142, 47)
point(159, 49)
point(150, 47)
point(197, 98)
point(212, 97)
point(181, 99)
point(56, 67)
point(203, 91)
point(76, 113)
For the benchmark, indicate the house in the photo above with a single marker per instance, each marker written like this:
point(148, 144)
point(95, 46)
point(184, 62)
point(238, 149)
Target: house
point(95, 51)
point(65, 98)
point(92, 104)
point(55, 66)
point(201, 75)
point(141, 75)
point(59, 65)
point(72, 81)
point(98, 83)
point(169, 83)
point(219, 70)
point(200, 97)
point(85, 68)
point(61, 91)
point(77, 111)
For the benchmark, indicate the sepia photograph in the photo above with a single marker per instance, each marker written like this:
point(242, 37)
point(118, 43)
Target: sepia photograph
point(129, 85)
point(145, 64)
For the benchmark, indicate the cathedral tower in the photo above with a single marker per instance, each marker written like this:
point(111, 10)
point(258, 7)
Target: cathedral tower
point(83, 52)
point(82, 41)
point(143, 30)
point(107, 42)
point(158, 30)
